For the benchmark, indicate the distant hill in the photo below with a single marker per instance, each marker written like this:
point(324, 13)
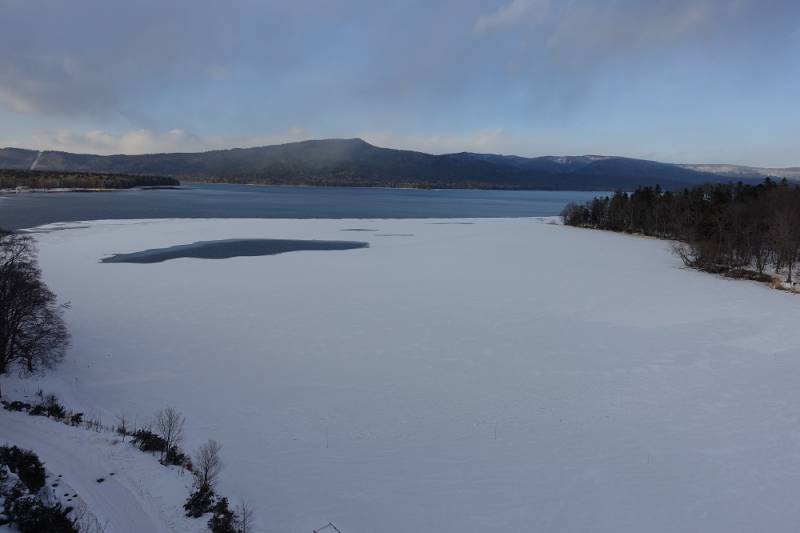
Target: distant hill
point(739, 171)
point(354, 162)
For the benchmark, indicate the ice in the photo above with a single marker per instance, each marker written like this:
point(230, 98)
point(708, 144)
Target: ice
point(503, 375)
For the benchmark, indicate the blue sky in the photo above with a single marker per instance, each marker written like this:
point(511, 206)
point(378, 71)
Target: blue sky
point(702, 81)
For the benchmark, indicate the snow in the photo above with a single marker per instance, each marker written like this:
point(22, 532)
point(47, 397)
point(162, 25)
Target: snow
point(141, 495)
point(502, 375)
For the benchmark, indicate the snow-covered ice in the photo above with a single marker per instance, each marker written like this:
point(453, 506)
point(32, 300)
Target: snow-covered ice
point(503, 375)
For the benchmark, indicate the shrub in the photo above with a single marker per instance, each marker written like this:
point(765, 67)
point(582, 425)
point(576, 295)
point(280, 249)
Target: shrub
point(200, 502)
point(25, 464)
point(175, 456)
point(38, 410)
point(32, 516)
point(147, 441)
point(53, 408)
point(48, 406)
point(17, 405)
point(224, 520)
point(10, 494)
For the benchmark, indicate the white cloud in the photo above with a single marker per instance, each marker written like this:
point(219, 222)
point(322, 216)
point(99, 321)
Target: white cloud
point(510, 14)
point(144, 141)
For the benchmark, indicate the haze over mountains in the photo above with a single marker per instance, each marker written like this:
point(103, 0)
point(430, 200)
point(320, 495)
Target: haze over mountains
point(354, 162)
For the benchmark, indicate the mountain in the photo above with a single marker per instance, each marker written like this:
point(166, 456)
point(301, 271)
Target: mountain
point(739, 171)
point(354, 162)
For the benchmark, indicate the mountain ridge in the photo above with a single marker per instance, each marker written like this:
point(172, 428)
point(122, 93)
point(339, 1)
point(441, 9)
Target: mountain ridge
point(355, 162)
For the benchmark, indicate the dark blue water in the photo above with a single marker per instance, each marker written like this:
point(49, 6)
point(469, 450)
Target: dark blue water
point(243, 201)
point(227, 248)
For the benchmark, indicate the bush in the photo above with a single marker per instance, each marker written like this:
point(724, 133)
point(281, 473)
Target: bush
point(53, 408)
point(32, 516)
point(38, 410)
point(224, 520)
point(200, 502)
point(49, 406)
point(147, 441)
point(176, 457)
point(17, 405)
point(25, 464)
point(11, 494)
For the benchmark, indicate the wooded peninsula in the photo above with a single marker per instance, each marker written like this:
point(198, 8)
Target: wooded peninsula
point(734, 229)
point(46, 179)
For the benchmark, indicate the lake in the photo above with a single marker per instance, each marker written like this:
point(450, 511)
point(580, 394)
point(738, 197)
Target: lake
point(245, 201)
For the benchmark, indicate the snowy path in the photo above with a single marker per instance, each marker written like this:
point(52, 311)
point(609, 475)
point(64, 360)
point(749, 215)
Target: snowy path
point(36, 161)
point(82, 457)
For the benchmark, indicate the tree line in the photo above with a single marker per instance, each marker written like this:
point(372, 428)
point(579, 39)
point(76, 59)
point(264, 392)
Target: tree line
point(46, 179)
point(723, 228)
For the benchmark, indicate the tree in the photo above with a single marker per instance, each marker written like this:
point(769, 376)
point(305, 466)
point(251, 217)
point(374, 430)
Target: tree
point(786, 229)
point(32, 331)
point(208, 464)
point(169, 424)
point(245, 517)
point(200, 502)
point(223, 520)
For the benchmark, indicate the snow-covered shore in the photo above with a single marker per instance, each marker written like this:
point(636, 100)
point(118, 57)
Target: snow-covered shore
point(456, 376)
point(137, 494)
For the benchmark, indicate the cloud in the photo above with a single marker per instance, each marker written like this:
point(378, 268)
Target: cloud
point(590, 30)
point(101, 57)
point(133, 71)
point(512, 13)
point(144, 141)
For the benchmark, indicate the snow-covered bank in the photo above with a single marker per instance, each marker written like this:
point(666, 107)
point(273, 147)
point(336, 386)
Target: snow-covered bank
point(137, 494)
point(456, 376)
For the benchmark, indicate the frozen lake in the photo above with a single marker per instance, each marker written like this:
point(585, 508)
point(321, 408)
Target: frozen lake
point(483, 375)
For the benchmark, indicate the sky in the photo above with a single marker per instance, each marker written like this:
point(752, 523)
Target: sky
point(693, 81)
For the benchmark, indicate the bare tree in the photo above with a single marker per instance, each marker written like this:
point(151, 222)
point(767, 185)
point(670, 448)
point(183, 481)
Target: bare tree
point(123, 425)
point(87, 522)
point(785, 230)
point(245, 517)
point(208, 464)
point(32, 330)
point(169, 424)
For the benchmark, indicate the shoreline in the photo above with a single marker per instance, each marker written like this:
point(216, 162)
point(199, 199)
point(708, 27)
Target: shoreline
point(25, 190)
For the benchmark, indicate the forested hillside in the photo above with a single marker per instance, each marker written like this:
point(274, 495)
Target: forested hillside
point(39, 179)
